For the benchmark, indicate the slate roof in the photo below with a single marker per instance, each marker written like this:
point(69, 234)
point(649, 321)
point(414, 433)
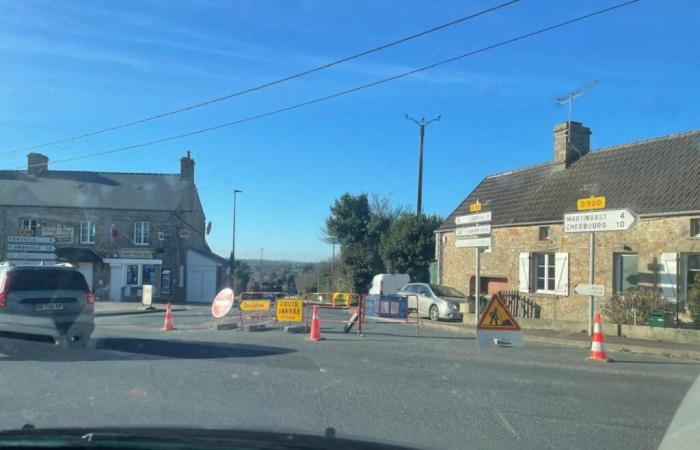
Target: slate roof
point(57, 188)
point(657, 176)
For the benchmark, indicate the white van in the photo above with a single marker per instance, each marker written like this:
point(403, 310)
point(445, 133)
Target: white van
point(388, 283)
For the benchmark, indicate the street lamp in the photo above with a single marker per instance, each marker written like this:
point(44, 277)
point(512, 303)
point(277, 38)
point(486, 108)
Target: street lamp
point(233, 246)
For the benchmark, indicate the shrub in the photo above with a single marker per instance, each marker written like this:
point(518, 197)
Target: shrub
point(620, 308)
point(694, 299)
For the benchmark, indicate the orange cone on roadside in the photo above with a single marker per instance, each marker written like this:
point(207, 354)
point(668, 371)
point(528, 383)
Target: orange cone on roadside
point(168, 325)
point(315, 334)
point(598, 352)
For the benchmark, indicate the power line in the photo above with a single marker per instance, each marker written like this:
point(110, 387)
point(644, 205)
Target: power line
point(264, 85)
point(347, 91)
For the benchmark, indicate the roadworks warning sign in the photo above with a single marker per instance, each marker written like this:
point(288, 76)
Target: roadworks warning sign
point(497, 326)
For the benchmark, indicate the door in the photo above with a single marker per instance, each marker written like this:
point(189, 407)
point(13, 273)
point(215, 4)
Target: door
point(194, 285)
point(424, 299)
point(116, 281)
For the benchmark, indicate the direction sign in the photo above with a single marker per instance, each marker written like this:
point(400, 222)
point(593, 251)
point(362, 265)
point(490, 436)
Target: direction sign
point(604, 220)
point(31, 239)
point(222, 304)
point(32, 247)
point(498, 326)
point(255, 305)
point(474, 230)
point(475, 207)
point(596, 290)
point(289, 310)
point(474, 242)
point(473, 218)
point(25, 255)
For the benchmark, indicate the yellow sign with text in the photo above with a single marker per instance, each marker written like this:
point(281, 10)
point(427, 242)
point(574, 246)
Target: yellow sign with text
point(255, 305)
point(585, 204)
point(289, 310)
point(475, 207)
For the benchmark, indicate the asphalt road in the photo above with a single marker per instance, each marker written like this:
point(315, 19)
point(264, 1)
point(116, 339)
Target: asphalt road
point(434, 391)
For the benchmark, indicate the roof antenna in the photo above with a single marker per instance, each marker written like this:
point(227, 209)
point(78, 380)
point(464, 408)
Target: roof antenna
point(568, 99)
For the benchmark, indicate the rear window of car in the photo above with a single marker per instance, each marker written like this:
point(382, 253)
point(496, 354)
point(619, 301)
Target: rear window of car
point(46, 280)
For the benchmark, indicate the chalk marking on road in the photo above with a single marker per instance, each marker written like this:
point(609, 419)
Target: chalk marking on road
point(326, 386)
point(505, 423)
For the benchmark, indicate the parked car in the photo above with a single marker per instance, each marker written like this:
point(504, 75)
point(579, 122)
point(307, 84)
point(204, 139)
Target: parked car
point(434, 301)
point(47, 300)
point(388, 283)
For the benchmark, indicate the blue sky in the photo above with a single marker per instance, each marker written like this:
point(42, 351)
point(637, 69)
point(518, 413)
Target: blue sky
point(74, 66)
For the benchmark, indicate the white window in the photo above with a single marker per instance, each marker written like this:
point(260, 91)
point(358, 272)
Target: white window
point(87, 232)
point(546, 273)
point(142, 233)
point(695, 228)
point(27, 227)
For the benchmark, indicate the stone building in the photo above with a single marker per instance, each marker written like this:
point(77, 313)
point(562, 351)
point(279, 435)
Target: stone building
point(122, 230)
point(657, 179)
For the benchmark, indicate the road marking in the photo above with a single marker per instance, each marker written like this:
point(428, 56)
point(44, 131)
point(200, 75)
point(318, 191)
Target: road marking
point(505, 422)
point(326, 386)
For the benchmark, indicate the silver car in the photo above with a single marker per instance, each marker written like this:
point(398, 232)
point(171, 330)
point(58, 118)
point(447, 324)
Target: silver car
point(47, 300)
point(434, 301)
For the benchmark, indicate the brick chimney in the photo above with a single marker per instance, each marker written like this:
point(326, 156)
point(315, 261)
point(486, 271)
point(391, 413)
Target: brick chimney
point(187, 168)
point(578, 145)
point(37, 163)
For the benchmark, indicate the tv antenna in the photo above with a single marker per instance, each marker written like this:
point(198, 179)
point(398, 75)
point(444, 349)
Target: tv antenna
point(569, 98)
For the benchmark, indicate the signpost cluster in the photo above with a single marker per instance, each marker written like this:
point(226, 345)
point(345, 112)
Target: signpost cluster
point(595, 219)
point(31, 250)
point(475, 233)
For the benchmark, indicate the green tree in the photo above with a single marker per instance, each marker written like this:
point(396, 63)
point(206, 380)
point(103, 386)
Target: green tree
point(349, 220)
point(241, 274)
point(409, 245)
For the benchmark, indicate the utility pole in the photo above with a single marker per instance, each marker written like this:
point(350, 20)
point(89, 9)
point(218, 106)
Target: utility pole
point(333, 268)
point(233, 245)
point(421, 126)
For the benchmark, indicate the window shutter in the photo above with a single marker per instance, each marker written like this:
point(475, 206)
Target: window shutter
point(524, 272)
point(561, 273)
point(668, 275)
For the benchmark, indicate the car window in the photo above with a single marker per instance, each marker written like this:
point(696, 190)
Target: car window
point(446, 291)
point(46, 280)
point(422, 290)
point(409, 288)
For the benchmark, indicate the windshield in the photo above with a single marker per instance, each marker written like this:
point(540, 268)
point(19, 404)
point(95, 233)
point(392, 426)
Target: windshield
point(446, 291)
point(209, 210)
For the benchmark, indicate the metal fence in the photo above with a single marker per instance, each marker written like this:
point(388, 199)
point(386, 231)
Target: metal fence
point(519, 305)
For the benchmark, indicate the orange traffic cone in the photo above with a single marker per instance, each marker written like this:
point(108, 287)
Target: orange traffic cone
point(315, 334)
point(598, 352)
point(168, 325)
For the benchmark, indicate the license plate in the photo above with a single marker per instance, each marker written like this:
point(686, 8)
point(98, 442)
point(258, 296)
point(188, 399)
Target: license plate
point(49, 307)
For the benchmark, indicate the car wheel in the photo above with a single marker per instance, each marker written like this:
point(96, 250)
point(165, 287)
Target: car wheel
point(434, 313)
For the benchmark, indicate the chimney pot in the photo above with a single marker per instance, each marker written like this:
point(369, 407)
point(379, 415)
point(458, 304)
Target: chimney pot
point(572, 140)
point(37, 163)
point(187, 168)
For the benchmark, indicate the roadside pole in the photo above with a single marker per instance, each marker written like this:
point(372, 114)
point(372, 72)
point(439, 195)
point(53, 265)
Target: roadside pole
point(591, 268)
point(477, 285)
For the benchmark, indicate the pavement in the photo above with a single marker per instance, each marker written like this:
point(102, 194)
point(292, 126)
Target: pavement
point(103, 309)
point(436, 390)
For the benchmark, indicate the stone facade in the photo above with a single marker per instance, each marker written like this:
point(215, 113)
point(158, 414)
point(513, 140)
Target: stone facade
point(649, 238)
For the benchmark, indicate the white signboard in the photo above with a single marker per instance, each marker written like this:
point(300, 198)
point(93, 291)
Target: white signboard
point(31, 247)
point(596, 290)
point(61, 233)
point(25, 255)
point(603, 220)
point(475, 242)
point(474, 230)
point(30, 239)
point(473, 218)
point(147, 295)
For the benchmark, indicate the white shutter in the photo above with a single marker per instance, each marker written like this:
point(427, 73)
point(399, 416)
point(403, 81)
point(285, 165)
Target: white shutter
point(561, 273)
point(524, 272)
point(668, 275)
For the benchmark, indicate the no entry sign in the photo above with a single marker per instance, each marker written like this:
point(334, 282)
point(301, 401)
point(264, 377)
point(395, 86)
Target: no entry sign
point(223, 302)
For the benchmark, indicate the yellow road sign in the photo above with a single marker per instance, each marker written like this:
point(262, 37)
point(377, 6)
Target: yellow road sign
point(289, 310)
point(475, 207)
point(497, 317)
point(585, 204)
point(255, 305)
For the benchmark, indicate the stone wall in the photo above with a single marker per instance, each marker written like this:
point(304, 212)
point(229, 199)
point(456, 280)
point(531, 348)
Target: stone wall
point(648, 238)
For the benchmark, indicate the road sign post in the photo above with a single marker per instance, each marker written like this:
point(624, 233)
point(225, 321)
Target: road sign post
point(591, 222)
point(222, 304)
point(478, 237)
